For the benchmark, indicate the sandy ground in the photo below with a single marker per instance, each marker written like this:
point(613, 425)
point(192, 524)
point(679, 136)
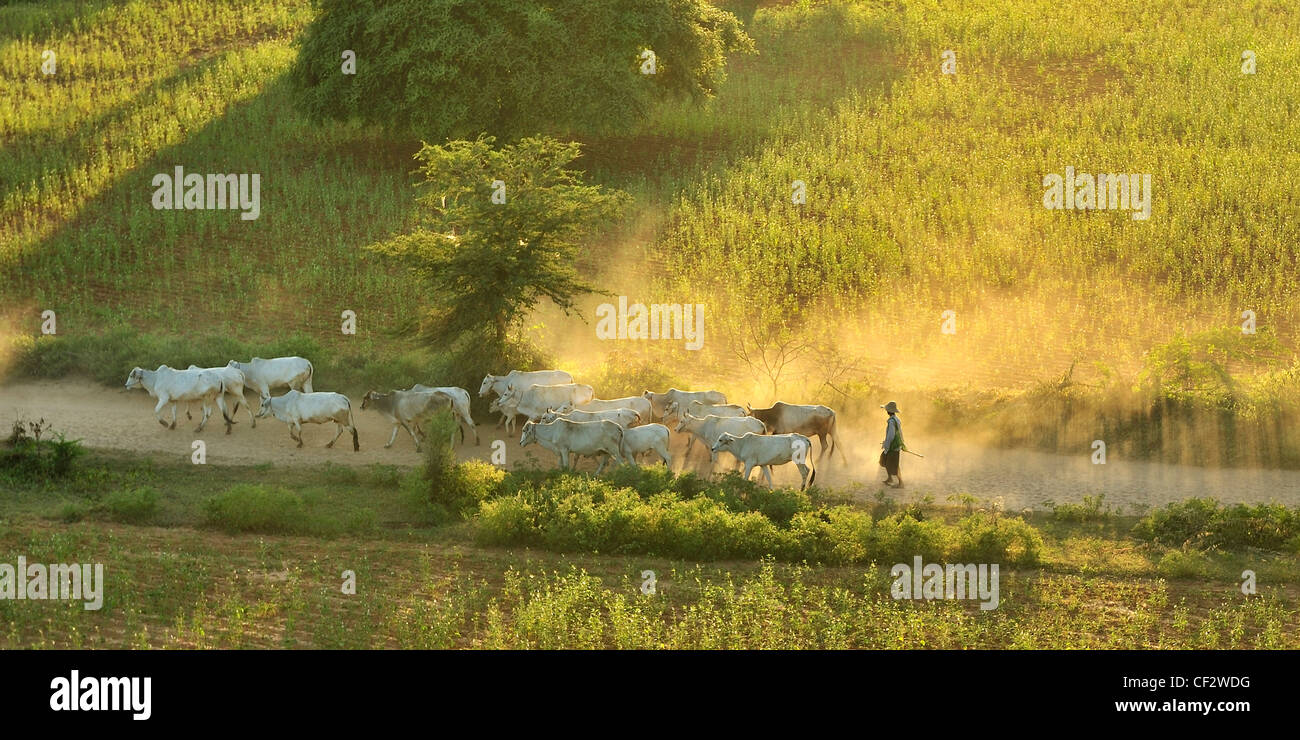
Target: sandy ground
point(123, 420)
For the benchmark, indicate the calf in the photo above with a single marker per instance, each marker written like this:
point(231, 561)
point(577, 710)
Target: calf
point(763, 451)
point(647, 438)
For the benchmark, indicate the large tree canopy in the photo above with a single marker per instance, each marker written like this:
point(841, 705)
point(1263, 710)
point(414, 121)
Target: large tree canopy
point(442, 69)
point(488, 260)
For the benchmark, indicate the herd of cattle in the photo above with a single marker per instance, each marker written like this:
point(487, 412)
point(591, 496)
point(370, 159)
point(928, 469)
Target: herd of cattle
point(561, 416)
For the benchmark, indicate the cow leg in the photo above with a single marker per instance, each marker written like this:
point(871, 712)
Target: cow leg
point(173, 423)
point(803, 476)
point(392, 436)
point(337, 434)
point(603, 459)
point(207, 411)
point(157, 411)
point(767, 473)
point(408, 431)
point(297, 427)
point(564, 459)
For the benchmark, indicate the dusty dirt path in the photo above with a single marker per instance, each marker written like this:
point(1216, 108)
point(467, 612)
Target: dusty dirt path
point(122, 420)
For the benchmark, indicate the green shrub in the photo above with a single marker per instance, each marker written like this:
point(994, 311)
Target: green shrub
point(255, 508)
point(26, 457)
point(1007, 540)
point(71, 511)
point(132, 506)
point(1182, 564)
point(1093, 509)
point(1204, 523)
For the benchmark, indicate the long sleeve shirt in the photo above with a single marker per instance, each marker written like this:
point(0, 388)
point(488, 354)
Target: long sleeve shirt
point(893, 434)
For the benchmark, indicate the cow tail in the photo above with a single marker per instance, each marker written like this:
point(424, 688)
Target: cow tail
point(311, 373)
point(352, 422)
point(835, 437)
point(622, 447)
point(221, 403)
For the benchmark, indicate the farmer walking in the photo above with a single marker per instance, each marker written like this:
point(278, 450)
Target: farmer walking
point(893, 445)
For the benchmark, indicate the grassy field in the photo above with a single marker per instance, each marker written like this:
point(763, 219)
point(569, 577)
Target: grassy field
point(266, 570)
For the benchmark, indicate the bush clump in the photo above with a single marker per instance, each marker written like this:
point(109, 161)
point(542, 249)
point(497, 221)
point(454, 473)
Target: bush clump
point(1202, 523)
point(132, 505)
point(252, 507)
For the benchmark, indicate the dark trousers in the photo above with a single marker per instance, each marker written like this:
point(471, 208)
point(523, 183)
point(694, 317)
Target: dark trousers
point(889, 461)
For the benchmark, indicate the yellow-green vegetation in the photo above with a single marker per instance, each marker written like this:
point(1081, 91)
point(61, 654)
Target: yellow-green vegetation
point(254, 557)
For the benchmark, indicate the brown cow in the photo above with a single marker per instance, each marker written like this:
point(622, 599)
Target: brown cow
point(810, 421)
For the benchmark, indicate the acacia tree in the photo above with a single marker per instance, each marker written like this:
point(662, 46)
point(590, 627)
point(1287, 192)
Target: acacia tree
point(499, 230)
point(442, 69)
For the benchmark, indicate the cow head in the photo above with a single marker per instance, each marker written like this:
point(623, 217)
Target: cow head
point(265, 408)
point(136, 378)
point(724, 442)
point(550, 416)
point(681, 421)
point(366, 399)
point(530, 434)
point(488, 380)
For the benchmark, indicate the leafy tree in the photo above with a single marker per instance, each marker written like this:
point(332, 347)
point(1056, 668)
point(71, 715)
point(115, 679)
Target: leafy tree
point(442, 69)
point(488, 263)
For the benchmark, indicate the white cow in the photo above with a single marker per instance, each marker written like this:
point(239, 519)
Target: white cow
point(410, 408)
point(701, 409)
point(647, 438)
point(660, 402)
point(565, 438)
point(296, 408)
point(707, 429)
point(509, 409)
point(264, 376)
point(538, 399)
point(522, 378)
point(640, 405)
point(622, 417)
point(172, 386)
point(459, 406)
point(233, 378)
point(764, 451)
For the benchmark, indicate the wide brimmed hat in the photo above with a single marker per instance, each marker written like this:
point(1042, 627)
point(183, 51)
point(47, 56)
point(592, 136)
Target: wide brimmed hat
point(891, 407)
